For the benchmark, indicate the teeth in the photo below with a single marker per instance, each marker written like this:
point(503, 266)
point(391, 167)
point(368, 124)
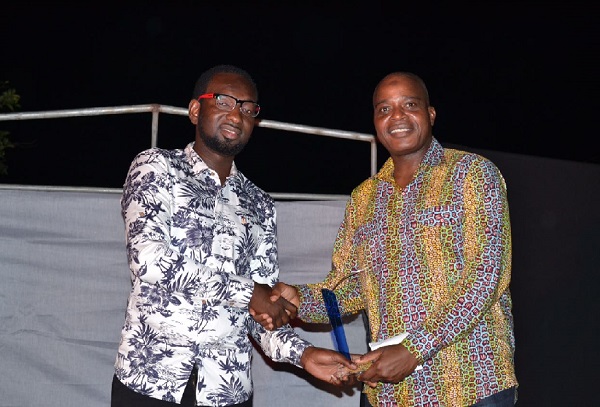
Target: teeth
point(399, 131)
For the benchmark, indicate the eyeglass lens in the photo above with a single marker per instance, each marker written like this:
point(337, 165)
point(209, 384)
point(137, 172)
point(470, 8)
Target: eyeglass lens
point(225, 102)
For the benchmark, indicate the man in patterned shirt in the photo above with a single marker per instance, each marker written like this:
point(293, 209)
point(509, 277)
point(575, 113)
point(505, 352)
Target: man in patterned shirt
point(425, 250)
point(202, 249)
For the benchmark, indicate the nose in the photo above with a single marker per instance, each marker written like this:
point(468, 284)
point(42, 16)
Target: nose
point(398, 113)
point(235, 115)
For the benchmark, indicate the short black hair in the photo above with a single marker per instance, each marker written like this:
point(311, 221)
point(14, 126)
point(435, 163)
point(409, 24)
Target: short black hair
point(206, 77)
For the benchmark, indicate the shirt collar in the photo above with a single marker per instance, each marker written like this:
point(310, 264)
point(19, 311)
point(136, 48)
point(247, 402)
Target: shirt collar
point(433, 156)
point(198, 164)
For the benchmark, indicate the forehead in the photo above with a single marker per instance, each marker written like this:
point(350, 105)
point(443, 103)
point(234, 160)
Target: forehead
point(396, 86)
point(231, 84)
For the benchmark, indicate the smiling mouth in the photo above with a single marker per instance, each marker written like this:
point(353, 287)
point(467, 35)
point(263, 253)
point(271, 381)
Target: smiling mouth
point(398, 131)
point(230, 133)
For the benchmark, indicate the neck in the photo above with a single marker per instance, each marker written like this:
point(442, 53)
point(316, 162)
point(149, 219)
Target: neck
point(216, 162)
point(405, 168)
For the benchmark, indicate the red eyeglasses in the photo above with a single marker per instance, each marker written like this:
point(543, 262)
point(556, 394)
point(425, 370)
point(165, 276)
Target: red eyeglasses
point(228, 103)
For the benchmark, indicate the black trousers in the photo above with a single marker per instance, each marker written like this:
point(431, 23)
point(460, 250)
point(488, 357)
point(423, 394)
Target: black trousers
point(123, 396)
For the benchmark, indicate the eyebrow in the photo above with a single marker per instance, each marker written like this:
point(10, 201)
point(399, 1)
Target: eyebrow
point(403, 98)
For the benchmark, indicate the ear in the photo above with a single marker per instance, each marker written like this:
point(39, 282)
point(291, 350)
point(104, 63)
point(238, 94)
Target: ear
point(431, 114)
point(194, 110)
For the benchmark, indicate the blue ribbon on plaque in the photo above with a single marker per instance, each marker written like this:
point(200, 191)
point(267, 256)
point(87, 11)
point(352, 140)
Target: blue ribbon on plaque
point(335, 318)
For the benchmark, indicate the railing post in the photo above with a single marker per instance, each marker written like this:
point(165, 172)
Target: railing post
point(154, 135)
point(373, 156)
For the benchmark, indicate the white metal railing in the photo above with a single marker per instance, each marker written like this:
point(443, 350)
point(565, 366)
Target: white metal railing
point(156, 109)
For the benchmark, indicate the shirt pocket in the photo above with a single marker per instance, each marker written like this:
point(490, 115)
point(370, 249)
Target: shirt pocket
point(439, 240)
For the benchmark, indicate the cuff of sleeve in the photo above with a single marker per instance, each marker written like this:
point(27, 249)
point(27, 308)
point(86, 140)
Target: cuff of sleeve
point(239, 291)
point(303, 346)
point(422, 344)
point(394, 340)
point(311, 309)
point(301, 289)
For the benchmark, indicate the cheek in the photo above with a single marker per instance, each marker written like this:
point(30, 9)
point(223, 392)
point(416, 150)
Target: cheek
point(208, 127)
point(379, 123)
point(422, 122)
point(248, 127)
point(381, 139)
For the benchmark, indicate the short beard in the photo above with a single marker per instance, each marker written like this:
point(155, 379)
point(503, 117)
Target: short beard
point(225, 147)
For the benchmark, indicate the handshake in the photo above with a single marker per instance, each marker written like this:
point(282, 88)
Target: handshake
point(274, 307)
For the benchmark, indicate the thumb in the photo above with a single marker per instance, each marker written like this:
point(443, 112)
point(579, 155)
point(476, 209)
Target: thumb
point(367, 357)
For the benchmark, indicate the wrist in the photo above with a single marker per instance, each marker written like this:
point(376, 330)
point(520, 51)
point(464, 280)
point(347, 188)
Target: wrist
point(305, 355)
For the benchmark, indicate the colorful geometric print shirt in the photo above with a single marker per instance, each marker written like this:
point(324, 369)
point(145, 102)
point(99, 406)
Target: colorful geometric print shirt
point(195, 249)
point(433, 260)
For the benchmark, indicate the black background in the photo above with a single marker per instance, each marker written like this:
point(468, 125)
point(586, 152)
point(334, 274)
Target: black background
point(507, 76)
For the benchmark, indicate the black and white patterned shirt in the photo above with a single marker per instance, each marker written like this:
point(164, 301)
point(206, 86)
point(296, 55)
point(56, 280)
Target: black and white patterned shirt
point(195, 249)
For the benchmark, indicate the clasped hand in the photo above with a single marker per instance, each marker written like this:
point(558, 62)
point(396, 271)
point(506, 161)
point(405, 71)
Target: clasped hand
point(280, 297)
point(388, 364)
point(273, 310)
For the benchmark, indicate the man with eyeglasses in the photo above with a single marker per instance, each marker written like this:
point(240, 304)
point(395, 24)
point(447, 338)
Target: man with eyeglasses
point(202, 250)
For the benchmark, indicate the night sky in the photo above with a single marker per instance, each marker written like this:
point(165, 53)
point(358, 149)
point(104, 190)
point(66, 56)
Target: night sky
point(514, 77)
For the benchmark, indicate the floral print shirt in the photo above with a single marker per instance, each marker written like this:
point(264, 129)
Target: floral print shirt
point(432, 260)
point(195, 249)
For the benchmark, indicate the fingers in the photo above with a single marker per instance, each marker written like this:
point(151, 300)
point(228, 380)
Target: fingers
point(344, 362)
point(368, 375)
point(367, 371)
point(274, 307)
point(278, 288)
point(290, 308)
point(288, 292)
point(280, 316)
point(260, 304)
point(263, 319)
point(359, 368)
point(276, 292)
point(333, 379)
point(268, 322)
point(367, 357)
point(326, 364)
point(342, 380)
point(389, 364)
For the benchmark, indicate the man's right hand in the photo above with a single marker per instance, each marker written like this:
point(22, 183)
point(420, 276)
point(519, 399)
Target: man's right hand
point(283, 294)
point(388, 364)
point(272, 310)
